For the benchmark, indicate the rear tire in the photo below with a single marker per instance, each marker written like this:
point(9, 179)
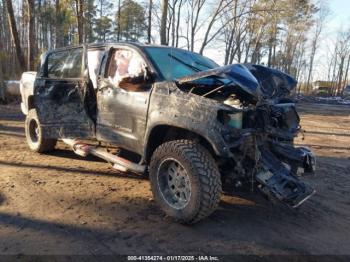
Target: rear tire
point(185, 180)
point(34, 134)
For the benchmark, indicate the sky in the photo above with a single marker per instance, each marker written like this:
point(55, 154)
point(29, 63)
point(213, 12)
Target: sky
point(339, 18)
point(340, 13)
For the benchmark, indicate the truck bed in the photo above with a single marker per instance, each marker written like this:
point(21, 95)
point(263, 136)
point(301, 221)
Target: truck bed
point(26, 89)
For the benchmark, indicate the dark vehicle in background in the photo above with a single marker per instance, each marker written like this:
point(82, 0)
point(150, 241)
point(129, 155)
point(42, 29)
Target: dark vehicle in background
point(191, 125)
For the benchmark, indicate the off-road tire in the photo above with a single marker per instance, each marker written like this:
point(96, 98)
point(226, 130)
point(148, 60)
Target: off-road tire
point(204, 178)
point(35, 139)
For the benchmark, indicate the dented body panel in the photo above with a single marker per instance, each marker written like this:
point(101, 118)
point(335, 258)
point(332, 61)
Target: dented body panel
point(238, 73)
point(241, 113)
point(60, 93)
point(66, 116)
point(171, 107)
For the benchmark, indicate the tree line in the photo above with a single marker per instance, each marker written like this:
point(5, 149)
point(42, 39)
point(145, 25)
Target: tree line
point(283, 34)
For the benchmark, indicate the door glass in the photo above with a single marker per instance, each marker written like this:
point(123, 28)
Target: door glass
point(55, 64)
point(128, 67)
point(65, 64)
point(73, 65)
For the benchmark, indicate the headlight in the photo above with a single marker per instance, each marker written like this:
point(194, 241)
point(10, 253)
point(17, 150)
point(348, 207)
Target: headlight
point(230, 119)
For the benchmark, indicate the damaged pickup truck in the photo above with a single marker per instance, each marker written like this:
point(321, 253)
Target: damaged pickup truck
point(174, 115)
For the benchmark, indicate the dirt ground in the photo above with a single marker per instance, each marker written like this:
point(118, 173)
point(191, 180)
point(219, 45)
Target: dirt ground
point(63, 204)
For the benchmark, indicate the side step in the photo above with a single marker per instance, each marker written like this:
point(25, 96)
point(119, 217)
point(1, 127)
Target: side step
point(119, 163)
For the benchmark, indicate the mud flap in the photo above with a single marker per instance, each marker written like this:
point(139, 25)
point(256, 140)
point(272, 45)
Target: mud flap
point(278, 181)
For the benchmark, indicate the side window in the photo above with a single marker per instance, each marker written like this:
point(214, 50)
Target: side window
point(65, 64)
point(74, 64)
point(125, 66)
point(55, 64)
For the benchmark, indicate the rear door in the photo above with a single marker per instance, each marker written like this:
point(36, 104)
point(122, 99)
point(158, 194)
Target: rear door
point(60, 95)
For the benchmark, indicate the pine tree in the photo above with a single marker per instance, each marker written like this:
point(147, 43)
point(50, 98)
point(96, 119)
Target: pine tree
point(133, 22)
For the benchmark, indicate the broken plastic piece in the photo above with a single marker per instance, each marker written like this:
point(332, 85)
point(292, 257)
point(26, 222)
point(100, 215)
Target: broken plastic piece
point(280, 183)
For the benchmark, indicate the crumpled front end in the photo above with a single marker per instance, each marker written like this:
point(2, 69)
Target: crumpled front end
point(264, 156)
point(279, 181)
point(260, 130)
point(278, 163)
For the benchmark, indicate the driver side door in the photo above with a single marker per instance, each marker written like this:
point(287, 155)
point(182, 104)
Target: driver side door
point(122, 112)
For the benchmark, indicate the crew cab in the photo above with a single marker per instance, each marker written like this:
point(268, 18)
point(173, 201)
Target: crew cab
point(175, 116)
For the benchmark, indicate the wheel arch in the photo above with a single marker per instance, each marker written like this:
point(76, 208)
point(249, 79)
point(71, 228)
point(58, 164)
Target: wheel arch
point(27, 104)
point(163, 133)
point(30, 102)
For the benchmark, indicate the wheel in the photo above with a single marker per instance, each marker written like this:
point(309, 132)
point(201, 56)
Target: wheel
point(185, 180)
point(34, 134)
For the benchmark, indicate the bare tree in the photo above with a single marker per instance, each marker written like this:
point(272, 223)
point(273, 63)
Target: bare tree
point(58, 25)
point(118, 14)
point(31, 35)
point(163, 22)
point(346, 73)
point(341, 61)
point(149, 28)
point(195, 9)
point(14, 33)
point(177, 36)
point(222, 7)
point(79, 8)
point(322, 14)
point(235, 32)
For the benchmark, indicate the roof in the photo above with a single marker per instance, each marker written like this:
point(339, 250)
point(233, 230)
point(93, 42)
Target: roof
point(95, 45)
point(109, 44)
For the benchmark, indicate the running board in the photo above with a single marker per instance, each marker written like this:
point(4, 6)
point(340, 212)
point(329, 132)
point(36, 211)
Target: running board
point(119, 163)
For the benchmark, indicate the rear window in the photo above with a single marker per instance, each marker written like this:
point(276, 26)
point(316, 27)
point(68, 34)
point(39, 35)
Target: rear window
point(65, 64)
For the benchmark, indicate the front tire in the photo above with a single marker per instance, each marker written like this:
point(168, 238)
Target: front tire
point(185, 180)
point(34, 134)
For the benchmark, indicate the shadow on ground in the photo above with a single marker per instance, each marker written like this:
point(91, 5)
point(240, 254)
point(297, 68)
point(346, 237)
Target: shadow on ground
point(70, 169)
point(2, 199)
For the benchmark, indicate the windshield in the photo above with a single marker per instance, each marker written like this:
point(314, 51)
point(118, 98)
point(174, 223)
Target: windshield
point(175, 63)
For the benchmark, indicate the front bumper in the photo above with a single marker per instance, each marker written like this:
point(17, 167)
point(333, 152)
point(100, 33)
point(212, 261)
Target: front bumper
point(278, 180)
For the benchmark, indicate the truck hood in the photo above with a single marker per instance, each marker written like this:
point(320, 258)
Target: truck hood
point(259, 81)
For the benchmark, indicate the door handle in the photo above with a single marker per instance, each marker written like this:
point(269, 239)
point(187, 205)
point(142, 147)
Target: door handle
point(72, 92)
point(47, 92)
